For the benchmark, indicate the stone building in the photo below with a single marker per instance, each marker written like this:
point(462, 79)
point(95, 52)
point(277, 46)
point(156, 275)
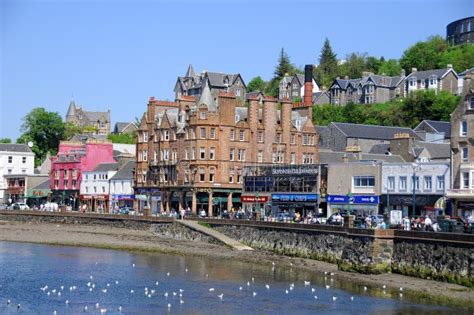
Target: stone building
point(193, 84)
point(462, 145)
point(93, 122)
point(192, 152)
point(460, 31)
point(437, 80)
point(293, 87)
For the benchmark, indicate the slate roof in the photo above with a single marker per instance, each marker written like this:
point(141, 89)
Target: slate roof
point(125, 172)
point(470, 70)
point(207, 99)
point(105, 167)
point(216, 79)
point(97, 116)
point(14, 147)
point(371, 132)
point(380, 148)
point(438, 126)
point(424, 75)
point(317, 95)
point(120, 126)
point(328, 157)
point(436, 150)
point(71, 111)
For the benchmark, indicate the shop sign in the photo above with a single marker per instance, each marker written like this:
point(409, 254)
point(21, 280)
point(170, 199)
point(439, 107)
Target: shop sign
point(123, 197)
point(341, 199)
point(85, 197)
point(254, 199)
point(294, 197)
point(296, 170)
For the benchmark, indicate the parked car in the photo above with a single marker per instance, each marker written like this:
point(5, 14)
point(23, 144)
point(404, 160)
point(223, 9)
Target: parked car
point(125, 210)
point(20, 206)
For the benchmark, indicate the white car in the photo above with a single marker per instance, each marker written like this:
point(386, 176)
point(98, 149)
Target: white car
point(21, 206)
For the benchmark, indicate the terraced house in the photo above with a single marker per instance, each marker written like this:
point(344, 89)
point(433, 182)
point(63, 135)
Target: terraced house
point(437, 80)
point(192, 152)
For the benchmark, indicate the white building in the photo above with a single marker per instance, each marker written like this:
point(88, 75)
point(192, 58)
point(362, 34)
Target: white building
point(121, 186)
point(15, 159)
point(431, 180)
point(94, 191)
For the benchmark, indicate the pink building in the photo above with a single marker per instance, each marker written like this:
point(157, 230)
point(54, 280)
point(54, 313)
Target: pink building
point(67, 166)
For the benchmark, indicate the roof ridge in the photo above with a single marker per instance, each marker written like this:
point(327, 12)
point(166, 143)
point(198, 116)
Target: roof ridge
point(372, 125)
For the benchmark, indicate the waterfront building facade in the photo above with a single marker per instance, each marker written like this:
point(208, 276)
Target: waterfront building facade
point(72, 159)
point(121, 186)
point(95, 188)
point(17, 161)
point(192, 152)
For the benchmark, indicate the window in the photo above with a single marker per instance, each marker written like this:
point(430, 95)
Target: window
point(364, 181)
point(440, 183)
point(66, 184)
point(415, 182)
point(463, 129)
point(202, 153)
point(391, 183)
point(202, 115)
point(10, 159)
point(144, 155)
point(260, 136)
point(427, 183)
point(278, 138)
point(202, 175)
point(103, 189)
point(232, 135)
point(23, 159)
point(293, 138)
point(231, 154)
point(231, 176)
point(145, 136)
point(260, 157)
point(211, 175)
point(471, 103)
point(74, 184)
point(87, 189)
point(241, 135)
point(292, 158)
point(166, 154)
point(193, 153)
point(213, 133)
point(9, 171)
point(237, 92)
point(166, 135)
point(465, 180)
point(241, 155)
point(56, 184)
point(212, 153)
point(433, 81)
point(95, 189)
point(278, 157)
point(464, 154)
point(203, 133)
point(412, 83)
point(308, 158)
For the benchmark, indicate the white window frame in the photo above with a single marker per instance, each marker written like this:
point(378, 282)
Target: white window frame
point(202, 153)
point(391, 183)
point(232, 135)
point(464, 154)
point(440, 182)
point(463, 128)
point(231, 154)
point(241, 135)
point(212, 133)
point(427, 183)
point(212, 153)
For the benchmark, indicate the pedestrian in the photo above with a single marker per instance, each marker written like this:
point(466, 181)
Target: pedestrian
point(406, 224)
point(428, 223)
point(183, 212)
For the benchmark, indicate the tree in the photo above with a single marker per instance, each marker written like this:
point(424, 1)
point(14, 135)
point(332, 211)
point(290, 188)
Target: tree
point(355, 65)
point(70, 130)
point(45, 129)
point(255, 84)
point(461, 57)
point(390, 67)
point(284, 67)
point(373, 64)
point(5, 140)
point(424, 55)
point(327, 70)
point(122, 138)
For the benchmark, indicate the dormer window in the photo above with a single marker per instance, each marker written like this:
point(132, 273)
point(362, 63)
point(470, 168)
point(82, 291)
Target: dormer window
point(433, 81)
point(412, 82)
point(202, 115)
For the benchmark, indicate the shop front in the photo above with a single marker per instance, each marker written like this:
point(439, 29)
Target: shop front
point(148, 198)
point(292, 203)
point(36, 197)
point(258, 203)
point(121, 201)
point(424, 204)
point(364, 205)
point(68, 198)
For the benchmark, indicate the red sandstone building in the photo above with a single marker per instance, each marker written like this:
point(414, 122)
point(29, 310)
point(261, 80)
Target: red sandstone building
point(192, 152)
point(72, 160)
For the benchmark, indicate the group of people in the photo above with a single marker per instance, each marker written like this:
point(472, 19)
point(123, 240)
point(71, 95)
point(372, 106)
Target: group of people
point(420, 224)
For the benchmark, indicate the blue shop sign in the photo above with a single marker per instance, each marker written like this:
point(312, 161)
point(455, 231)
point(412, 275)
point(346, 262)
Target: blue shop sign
point(120, 197)
point(295, 197)
point(341, 199)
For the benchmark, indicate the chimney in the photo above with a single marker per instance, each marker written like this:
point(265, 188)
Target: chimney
point(402, 144)
point(402, 73)
point(286, 109)
point(414, 70)
point(346, 77)
point(450, 66)
point(308, 85)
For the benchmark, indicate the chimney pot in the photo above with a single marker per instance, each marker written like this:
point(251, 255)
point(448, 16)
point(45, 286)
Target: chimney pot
point(402, 73)
point(450, 66)
point(414, 69)
point(346, 77)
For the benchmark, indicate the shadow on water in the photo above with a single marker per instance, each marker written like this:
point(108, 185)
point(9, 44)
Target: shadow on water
point(27, 267)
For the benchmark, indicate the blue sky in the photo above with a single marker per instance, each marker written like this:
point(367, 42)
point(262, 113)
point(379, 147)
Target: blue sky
point(116, 54)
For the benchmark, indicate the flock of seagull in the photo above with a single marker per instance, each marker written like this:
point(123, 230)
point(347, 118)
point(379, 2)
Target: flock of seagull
point(151, 292)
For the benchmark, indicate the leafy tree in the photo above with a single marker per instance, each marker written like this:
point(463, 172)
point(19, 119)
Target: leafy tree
point(323, 115)
point(5, 140)
point(255, 84)
point(70, 130)
point(372, 64)
point(284, 67)
point(443, 105)
point(461, 57)
point(424, 55)
point(45, 129)
point(390, 67)
point(122, 138)
point(355, 64)
point(327, 70)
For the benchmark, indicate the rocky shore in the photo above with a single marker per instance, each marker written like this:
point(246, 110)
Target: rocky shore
point(176, 239)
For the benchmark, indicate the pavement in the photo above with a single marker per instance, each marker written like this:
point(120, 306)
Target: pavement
point(213, 233)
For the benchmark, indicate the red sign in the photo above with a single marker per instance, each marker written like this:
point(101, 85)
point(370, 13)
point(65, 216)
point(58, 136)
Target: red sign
point(253, 199)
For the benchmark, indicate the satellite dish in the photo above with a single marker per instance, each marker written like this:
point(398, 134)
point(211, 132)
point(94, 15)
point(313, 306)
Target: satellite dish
point(30, 144)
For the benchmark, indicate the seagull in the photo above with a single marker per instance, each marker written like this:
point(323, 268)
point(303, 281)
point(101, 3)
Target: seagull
point(133, 265)
point(365, 288)
point(90, 289)
point(157, 283)
point(131, 291)
point(248, 283)
point(120, 309)
point(93, 285)
point(152, 291)
point(181, 290)
point(306, 283)
point(53, 291)
point(108, 284)
point(103, 310)
point(104, 290)
point(85, 308)
point(70, 288)
point(332, 273)
point(327, 287)
point(211, 289)
point(254, 294)
point(49, 293)
point(240, 288)
point(352, 298)
point(116, 282)
point(401, 295)
point(8, 302)
point(59, 293)
point(207, 275)
point(186, 269)
point(253, 280)
point(291, 264)
point(334, 298)
point(174, 293)
point(325, 272)
point(220, 296)
point(169, 305)
point(149, 295)
point(401, 289)
point(62, 287)
point(168, 274)
point(291, 288)
point(18, 305)
point(91, 277)
point(54, 312)
point(273, 263)
point(312, 290)
point(384, 286)
point(166, 294)
point(315, 297)
point(97, 305)
point(67, 301)
point(44, 288)
point(181, 302)
point(88, 284)
point(286, 291)
point(267, 286)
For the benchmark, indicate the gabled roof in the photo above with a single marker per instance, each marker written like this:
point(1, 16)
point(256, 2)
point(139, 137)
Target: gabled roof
point(438, 73)
point(14, 147)
point(216, 79)
point(371, 131)
point(286, 79)
point(470, 70)
point(125, 172)
point(105, 167)
point(436, 150)
point(317, 95)
point(380, 148)
point(121, 126)
point(97, 116)
point(436, 126)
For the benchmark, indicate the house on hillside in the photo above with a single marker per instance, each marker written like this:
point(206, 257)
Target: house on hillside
point(438, 80)
point(124, 127)
point(98, 122)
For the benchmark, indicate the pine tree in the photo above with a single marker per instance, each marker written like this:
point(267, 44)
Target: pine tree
point(328, 67)
point(284, 65)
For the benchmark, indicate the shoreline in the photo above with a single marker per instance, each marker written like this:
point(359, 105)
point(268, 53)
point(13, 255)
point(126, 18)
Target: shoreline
point(106, 237)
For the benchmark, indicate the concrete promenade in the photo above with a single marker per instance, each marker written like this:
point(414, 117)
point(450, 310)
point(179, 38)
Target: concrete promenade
point(213, 233)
